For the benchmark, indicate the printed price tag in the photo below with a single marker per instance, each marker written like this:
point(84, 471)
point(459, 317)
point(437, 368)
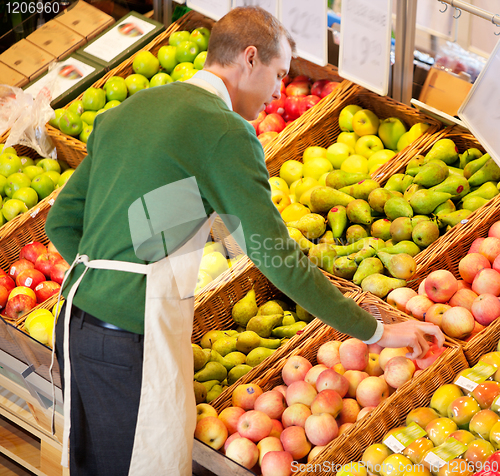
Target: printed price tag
point(399, 440)
point(365, 43)
point(271, 6)
point(434, 460)
point(393, 444)
point(481, 109)
point(442, 454)
point(307, 22)
point(466, 383)
point(215, 9)
point(471, 378)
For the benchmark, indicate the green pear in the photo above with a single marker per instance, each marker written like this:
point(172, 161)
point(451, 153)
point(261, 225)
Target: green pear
point(469, 155)
point(303, 315)
point(214, 392)
point(264, 324)
point(473, 203)
point(337, 220)
point(339, 179)
point(209, 384)
point(432, 173)
point(381, 229)
point(285, 306)
point(452, 218)
point(304, 244)
point(366, 267)
point(211, 336)
point(359, 212)
point(378, 198)
point(363, 254)
point(381, 285)
point(455, 170)
point(408, 247)
point(288, 318)
point(355, 233)
point(416, 161)
point(455, 185)
point(401, 265)
point(200, 392)
point(225, 345)
point(395, 183)
point(490, 171)
point(425, 201)
point(425, 233)
point(270, 308)
point(401, 229)
point(288, 331)
point(211, 371)
point(472, 167)
point(488, 190)
point(312, 225)
point(248, 340)
point(414, 171)
point(396, 194)
point(237, 372)
point(329, 238)
point(200, 358)
point(344, 267)
point(323, 256)
point(257, 355)
point(358, 245)
point(325, 198)
point(443, 149)
point(235, 358)
point(419, 218)
point(245, 309)
point(361, 189)
point(406, 182)
point(216, 357)
point(411, 190)
point(397, 207)
point(445, 207)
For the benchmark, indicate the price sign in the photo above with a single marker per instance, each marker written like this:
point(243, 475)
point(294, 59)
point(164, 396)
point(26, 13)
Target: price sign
point(365, 43)
point(270, 5)
point(215, 9)
point(307, 22)
point(481, 109)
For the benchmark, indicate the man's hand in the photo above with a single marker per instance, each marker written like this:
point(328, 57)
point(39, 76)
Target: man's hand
point(411, 334)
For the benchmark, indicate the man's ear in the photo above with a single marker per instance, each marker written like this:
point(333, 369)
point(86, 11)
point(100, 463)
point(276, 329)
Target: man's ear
point(250, 55)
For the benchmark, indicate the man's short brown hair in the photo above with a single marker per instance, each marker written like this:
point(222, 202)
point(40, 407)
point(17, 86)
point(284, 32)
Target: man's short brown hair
point(243, 27)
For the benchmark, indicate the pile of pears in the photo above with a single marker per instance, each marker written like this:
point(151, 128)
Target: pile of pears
point(222, 357)
point(355, 229)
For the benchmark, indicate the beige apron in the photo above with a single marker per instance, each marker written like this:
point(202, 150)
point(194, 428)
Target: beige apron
point(167, 411)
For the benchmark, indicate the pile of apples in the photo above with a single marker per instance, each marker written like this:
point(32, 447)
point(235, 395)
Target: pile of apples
point(297, 96)
point(313, 406)
point(461, 307)
point(31, 280)
point(179, 60)
point(40, 324)
point(24, 181)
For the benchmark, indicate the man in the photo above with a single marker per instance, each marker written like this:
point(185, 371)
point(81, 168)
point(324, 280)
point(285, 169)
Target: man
point(136, 208)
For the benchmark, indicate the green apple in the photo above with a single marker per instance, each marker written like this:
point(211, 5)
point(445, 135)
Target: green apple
point(76, 107)
point(160, 79)
point(136, 83)
point(315, 168)
point(203, 279)
point(390, 130)
point(94, 99)
point(43, 185)
point(32, 171)
point(379, 158)
point(304, 185)
point(26, 195)
point(188, 74)
point(348, 138)
point(10, 164)
point(180, 70)
point(2, 219)
point(112, 104)
point(291, 171)
point(214, 264)
point(368, 145)
point(49, 164)
point(100, 111)
point(88, 117)
point(356, 164)
point(187, 51)
point(199, 61)
point(337, 153)
point(71, 123)
point(7, 150)
point(65, 177)
point(54, 122)
point(53, 175)
point(146, 63)
point(166, 56)
point(404, 141)
point(418, 129)
point(365, 122)
point(12, 208)
point(200, 36)
point(116, 89)
point(178, 36)
point(84, 135)
point(15, 182)
point(25, 161)
point(346, 115)
point(3, 181)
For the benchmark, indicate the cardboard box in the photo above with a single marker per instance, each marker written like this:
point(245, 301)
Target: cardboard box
point(85, 19)
point(67, 79)
point(11, 77)
point(27, 59)
point(117, 43)
point(56, 39)
point(444, 91)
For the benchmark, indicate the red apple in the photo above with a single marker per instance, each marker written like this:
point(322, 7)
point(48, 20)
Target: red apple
point(496, 264)
point(58, 271)
point(45, 262)
point(463, 285)
point(295, 368)
point(294, 441)
point(457, 322)
point(418, 305)
point(245, 395)
point(277, 463)
point(328, 353)
point(298, 88)
point(463, 298)
point(255, 123)
point(399, 297)
point(487, 281)
point(354, 377)
point(295, 415)
point(485, 309)
point(440, 285)
point(372, 391)
point(7, 282)
point(314, 373)
point(474, 247)
point(18, 305)
point(4, 295)
point(421, 289)
point(244, 452)
point(471, 264)
point(46, 289)
point(490, 248)
point(230, 416)
point(300, 392)
point(277, 429)
point(231, 439)
point(430, 357)
point(328, 89)
point(327, 401)
point(51, 248)
point(272, 123)
point(32, 251)
point(331, 380)
point(30, 278)
point(266, 137)
point(268, 444)
point(435, 313)
point(321, 429)
point(353, 354)
point(349, 412)
point(292, 108)
point(271, 403)
point(318, 86)
point(277, 106)
point(308, 102)
point(19, 266)
point(254, 425)
point(398, 371)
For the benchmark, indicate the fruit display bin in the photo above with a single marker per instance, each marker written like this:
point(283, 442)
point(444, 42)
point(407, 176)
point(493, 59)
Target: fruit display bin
point(391, 413)
point(447, 253)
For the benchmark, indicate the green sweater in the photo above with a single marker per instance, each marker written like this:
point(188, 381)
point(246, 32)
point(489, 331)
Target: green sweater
point(157, 137)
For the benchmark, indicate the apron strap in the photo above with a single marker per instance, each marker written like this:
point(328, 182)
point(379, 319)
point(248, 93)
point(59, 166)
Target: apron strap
point(115, 265)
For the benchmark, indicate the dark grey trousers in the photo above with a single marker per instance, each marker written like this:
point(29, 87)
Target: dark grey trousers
point(106, 376)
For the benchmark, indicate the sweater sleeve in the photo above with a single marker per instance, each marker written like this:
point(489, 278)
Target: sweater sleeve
point(64, 225)
point(236, 183)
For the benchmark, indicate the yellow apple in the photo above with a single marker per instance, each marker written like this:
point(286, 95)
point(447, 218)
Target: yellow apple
point(213, 246)
point(355, 164)
point(277, 183)
point(291, 170)
point(304, 185)
point(316, 167)
point(313, 152)
point(203, 279)
point(294, 212)
point(280, 199)
point(214, 264)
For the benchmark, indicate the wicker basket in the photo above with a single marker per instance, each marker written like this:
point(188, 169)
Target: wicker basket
point(349, 447)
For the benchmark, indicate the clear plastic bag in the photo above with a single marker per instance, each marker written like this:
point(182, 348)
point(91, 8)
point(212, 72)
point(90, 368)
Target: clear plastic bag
point(26, 117)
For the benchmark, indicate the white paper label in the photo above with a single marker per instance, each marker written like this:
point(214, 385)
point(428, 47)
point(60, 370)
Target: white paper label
point(434, 460)
point(307, 22)
point(269, 5)
point(13, 270)
point(365, 43)
point(215, 9)
point(119, 38)
point(40, 286)
point(466, 383)
point(393, 444)
point(28, 282)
